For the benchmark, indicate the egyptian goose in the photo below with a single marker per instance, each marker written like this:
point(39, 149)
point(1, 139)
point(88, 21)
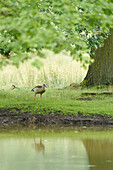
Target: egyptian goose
point(39, 90)
point(14, 87)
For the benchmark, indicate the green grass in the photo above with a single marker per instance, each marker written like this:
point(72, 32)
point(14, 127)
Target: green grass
point(63, 101)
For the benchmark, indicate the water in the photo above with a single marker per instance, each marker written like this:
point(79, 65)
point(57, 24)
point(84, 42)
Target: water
point(51, 149)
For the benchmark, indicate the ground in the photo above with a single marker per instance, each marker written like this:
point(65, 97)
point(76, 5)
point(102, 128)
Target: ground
point(6, 117)
point(71, 105)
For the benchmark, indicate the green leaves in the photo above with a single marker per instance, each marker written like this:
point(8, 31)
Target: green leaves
point(31, 25)
point(37, 63)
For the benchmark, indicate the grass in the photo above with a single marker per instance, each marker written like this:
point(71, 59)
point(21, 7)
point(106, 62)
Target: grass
point(57, 71)
point(64, 101)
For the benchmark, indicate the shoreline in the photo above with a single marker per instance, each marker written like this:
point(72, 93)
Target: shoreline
point(6, 117)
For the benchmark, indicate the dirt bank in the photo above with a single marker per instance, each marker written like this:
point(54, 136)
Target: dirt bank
point(8, 117)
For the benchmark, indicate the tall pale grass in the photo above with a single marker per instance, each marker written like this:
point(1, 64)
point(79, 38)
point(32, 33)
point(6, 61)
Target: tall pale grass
point(58, 71)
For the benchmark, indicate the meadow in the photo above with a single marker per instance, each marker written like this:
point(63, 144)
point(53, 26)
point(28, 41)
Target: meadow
point(58, 73)
point(58, 70)
point(64, 101)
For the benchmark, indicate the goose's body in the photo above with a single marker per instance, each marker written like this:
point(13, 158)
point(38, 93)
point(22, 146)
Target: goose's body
point(39, 90)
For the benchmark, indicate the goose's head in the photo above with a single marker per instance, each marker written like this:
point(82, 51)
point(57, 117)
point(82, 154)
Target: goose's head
point(44, 85)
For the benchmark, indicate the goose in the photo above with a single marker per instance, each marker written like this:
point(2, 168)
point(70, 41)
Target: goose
point(39, 90)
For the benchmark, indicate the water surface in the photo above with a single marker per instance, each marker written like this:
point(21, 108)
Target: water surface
point(56, 148)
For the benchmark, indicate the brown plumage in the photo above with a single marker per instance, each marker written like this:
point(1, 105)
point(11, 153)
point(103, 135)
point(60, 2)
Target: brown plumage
point(39, 90)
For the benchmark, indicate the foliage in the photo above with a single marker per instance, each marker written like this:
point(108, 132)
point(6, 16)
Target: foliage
point(28, 26)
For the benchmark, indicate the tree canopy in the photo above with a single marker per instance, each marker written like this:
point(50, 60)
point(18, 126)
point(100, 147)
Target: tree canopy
point(75, 26)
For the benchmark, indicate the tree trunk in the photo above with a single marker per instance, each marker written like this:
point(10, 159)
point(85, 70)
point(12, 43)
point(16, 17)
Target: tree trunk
point(101, 71)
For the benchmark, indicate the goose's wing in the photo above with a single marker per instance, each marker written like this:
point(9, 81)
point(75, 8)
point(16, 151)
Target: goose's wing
point(38, 86)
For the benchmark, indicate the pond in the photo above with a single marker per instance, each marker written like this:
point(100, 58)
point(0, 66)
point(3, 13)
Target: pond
point(56, 148)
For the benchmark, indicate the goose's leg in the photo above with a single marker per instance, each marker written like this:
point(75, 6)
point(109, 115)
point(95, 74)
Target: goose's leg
point(40, 96)
point(34, 96)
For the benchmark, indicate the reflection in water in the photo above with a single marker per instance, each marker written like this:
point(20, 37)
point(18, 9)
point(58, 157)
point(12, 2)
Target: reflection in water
point(39, 146)
point(55, 152)
point(100, 153)
point(59, 154)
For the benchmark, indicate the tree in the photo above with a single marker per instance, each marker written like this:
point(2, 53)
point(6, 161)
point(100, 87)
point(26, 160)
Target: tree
point(78, 27)
point(101, 71)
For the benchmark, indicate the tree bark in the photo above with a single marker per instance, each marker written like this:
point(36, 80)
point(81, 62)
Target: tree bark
point(101, 71)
